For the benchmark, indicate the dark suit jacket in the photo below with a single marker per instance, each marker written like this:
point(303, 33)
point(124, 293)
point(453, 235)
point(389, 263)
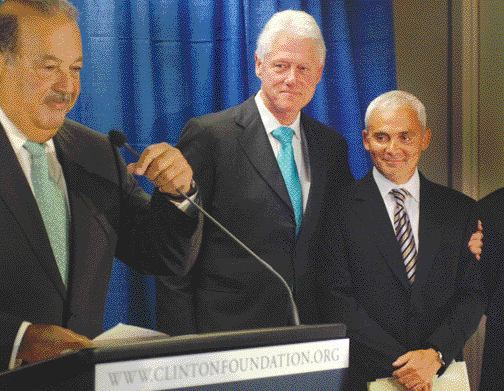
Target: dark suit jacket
point(242, 186)
point(491, 209)
point(110, 216)
point(365, 284)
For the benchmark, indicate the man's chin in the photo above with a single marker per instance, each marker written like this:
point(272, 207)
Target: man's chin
point(54, 119)
point(48, 129)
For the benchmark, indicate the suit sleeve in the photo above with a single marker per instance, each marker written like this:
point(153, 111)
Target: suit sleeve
point(344, 177)
point(154, 235)
point(492, 257)
point(10, 326)
point(339, 305)
point(463, 319)
point(175, 304)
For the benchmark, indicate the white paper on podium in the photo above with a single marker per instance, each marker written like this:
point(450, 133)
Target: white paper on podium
point(124, 333)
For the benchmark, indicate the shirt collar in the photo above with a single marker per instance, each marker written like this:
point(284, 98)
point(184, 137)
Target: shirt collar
point(385, 185)
point(271, 123)
point(18, 138)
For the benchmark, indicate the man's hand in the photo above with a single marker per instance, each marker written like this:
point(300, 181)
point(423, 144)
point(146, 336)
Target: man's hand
point(165, 166)
point(44, 341)
point(417, 369)
point(476, 241)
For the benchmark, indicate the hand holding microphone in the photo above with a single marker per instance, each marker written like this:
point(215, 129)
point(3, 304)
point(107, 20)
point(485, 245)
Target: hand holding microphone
point(161, 163)
point(169, 168)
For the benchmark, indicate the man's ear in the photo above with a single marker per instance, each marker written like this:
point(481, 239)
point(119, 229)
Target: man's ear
point(320, 72)
point(5, 60)
point(258, 64)
point(3, 63)
point(365, 140)
point(426, 138)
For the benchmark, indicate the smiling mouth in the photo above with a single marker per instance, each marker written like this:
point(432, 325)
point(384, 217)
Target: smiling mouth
point(291, 93)
point(394, 162)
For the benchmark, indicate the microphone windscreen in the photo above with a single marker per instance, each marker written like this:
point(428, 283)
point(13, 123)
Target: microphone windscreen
point(117, 138)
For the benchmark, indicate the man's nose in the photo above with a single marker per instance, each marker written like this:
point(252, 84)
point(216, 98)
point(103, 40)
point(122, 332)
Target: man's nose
point(291, 76)
point(64, 82)
point(391, 146)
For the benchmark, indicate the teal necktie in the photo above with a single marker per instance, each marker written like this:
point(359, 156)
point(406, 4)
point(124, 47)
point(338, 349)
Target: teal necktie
point(52, 206)
point(289, 171)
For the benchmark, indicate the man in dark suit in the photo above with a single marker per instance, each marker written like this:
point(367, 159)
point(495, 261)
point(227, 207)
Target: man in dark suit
point(491, 211)
point(67, 203)
point(239, 165)
point(396, 268)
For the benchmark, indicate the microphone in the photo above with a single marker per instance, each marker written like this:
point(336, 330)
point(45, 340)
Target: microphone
point(119, 140)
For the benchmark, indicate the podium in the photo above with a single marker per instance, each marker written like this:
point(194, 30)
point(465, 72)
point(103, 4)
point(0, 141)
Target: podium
point(283, 358)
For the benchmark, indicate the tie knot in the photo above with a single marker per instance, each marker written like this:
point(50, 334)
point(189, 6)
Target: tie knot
point(283, 134)
point(35, 149)
point(399, 194)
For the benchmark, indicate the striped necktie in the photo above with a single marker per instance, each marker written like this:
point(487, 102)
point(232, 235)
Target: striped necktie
point(404, 233)
point(289, 171)
point(52, 206)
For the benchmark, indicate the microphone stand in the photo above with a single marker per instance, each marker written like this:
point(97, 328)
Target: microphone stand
point(118, 139)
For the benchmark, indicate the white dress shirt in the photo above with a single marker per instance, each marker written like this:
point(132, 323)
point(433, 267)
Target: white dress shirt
point(299, 144)
point(17, 140)
point(412, 202)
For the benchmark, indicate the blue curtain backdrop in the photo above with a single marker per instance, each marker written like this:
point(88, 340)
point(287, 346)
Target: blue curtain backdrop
point(150, 65)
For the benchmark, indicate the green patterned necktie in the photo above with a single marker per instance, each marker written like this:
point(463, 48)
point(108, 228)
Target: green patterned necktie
point(52, 206)
point(289, 171)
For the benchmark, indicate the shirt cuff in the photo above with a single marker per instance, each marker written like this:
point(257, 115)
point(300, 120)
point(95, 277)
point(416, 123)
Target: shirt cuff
point(181, 202)
point(185, 204)
point(13, 362)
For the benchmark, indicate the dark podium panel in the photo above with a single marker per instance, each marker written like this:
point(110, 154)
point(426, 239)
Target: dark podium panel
point(76, 371)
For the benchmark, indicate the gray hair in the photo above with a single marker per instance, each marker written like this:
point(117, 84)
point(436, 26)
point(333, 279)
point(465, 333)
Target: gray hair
point(297, 23)
point(396, 99)
point(9, 24)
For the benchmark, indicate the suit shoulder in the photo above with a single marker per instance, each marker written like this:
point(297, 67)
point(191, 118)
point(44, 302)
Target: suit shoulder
point(493, 199)
point(322, 129)
point(216, 119)
point(81, 143)
point(82, 133)
point(449, 198)
point(491, 207)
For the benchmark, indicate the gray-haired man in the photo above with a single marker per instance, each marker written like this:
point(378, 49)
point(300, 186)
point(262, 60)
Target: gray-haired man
point(265, 169)
point(397, 270)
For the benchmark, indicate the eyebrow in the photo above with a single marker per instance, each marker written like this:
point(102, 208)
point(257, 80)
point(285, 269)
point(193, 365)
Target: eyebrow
point(50, 57)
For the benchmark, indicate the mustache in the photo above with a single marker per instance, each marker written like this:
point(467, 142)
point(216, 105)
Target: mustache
point(58, 97)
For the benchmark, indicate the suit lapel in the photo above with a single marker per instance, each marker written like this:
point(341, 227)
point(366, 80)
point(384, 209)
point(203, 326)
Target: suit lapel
point(17, 195)
point(318, 172)
point(429, 233)
point(81, 209)
point(370, 210)
point(257, 148)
